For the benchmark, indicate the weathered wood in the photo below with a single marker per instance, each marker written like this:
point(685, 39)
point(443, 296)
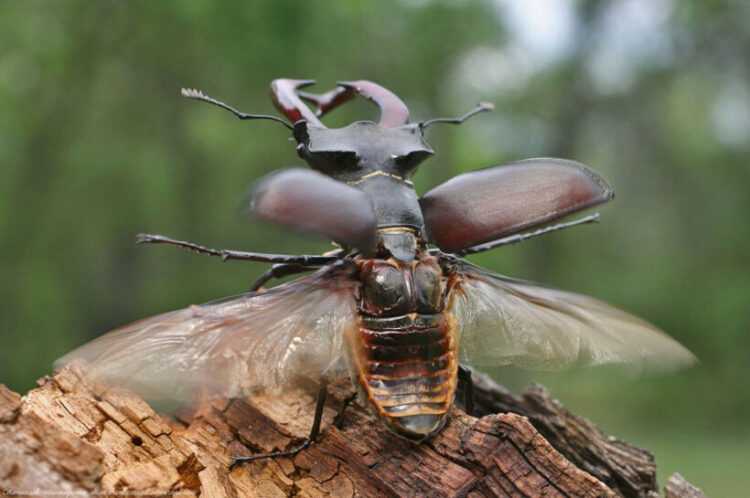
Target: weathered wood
point(68, 436)
point(678, 487)
point(628, 470)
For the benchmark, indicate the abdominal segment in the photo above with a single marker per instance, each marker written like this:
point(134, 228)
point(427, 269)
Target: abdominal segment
point(407, 368)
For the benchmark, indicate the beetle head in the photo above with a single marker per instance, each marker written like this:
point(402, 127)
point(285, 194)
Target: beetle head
point(391, 145)
point(361, 147)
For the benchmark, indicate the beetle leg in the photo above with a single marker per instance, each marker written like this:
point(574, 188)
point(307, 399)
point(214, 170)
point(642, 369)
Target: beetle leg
point(314, 432)
point(464, 376)
point(279, 270)
point(514, 239)
point(481, 107)
point(338, 420)
point(520, 237)
point(226, 254)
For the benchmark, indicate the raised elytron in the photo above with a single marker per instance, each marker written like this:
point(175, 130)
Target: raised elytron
point(395, 307)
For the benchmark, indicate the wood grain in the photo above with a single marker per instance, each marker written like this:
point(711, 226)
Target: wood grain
point(68, 436)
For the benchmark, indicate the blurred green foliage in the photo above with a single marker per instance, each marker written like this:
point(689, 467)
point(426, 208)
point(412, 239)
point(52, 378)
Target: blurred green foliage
point(96, 145)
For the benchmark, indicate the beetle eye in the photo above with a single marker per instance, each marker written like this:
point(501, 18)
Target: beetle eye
point(341, 159)
point(411, 160)
point(342, 156)
point(331, 162)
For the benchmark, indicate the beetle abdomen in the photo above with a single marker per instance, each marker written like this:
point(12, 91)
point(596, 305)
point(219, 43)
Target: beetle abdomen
point(407, 368)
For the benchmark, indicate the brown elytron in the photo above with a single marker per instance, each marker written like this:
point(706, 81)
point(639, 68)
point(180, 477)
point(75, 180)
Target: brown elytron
point(390, 305)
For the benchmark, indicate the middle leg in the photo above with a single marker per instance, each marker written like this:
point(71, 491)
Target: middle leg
point(314, 432)
point(464, 377)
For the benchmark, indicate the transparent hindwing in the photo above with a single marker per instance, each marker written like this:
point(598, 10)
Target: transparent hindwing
point(230, 347)
point(505, 321)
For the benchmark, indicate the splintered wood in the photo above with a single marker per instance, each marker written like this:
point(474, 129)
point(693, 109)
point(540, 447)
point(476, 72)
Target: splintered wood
point(68, 437)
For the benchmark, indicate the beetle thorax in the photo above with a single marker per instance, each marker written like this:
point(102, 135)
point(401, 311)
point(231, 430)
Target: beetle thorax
point(375, 159)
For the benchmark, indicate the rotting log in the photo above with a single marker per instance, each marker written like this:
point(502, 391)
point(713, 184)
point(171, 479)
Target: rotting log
point(69, 437)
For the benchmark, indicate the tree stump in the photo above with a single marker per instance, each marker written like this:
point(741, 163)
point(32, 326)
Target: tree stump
point(70, 437)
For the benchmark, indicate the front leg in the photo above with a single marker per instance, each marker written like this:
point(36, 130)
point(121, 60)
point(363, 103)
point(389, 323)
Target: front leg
point(315, 260)
point(279, 270)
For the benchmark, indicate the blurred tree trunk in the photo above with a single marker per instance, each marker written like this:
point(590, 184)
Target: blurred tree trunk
point(67, 436)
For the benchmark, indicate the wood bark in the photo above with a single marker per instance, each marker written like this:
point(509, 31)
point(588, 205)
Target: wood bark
point(70, 437)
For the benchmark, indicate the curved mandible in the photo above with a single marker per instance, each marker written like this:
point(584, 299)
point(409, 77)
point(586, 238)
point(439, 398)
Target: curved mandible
point(328, 101)
point(393, 112)
point(286, 100)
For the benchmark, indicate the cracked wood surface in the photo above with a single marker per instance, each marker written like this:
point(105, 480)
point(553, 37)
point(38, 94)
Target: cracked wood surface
point(67, 436)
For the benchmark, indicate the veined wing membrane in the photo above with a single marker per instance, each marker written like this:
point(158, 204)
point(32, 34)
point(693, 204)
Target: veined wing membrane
point(510, 322)
point(230, 347)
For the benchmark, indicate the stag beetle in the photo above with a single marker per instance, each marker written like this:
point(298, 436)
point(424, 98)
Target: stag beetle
point(396, 308)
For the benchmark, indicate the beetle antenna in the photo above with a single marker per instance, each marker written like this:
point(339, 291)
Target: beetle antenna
point(195, 94)
point(481, 107)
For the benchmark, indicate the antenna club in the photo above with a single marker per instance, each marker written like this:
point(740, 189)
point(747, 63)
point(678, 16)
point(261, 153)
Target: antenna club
point(192, 93)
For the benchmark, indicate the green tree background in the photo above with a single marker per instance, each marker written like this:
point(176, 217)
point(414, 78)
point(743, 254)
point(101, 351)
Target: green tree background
point(96, 145)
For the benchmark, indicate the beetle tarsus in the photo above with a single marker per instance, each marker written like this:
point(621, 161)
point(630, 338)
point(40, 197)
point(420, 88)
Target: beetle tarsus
point(314, 432)
point(287, 453)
